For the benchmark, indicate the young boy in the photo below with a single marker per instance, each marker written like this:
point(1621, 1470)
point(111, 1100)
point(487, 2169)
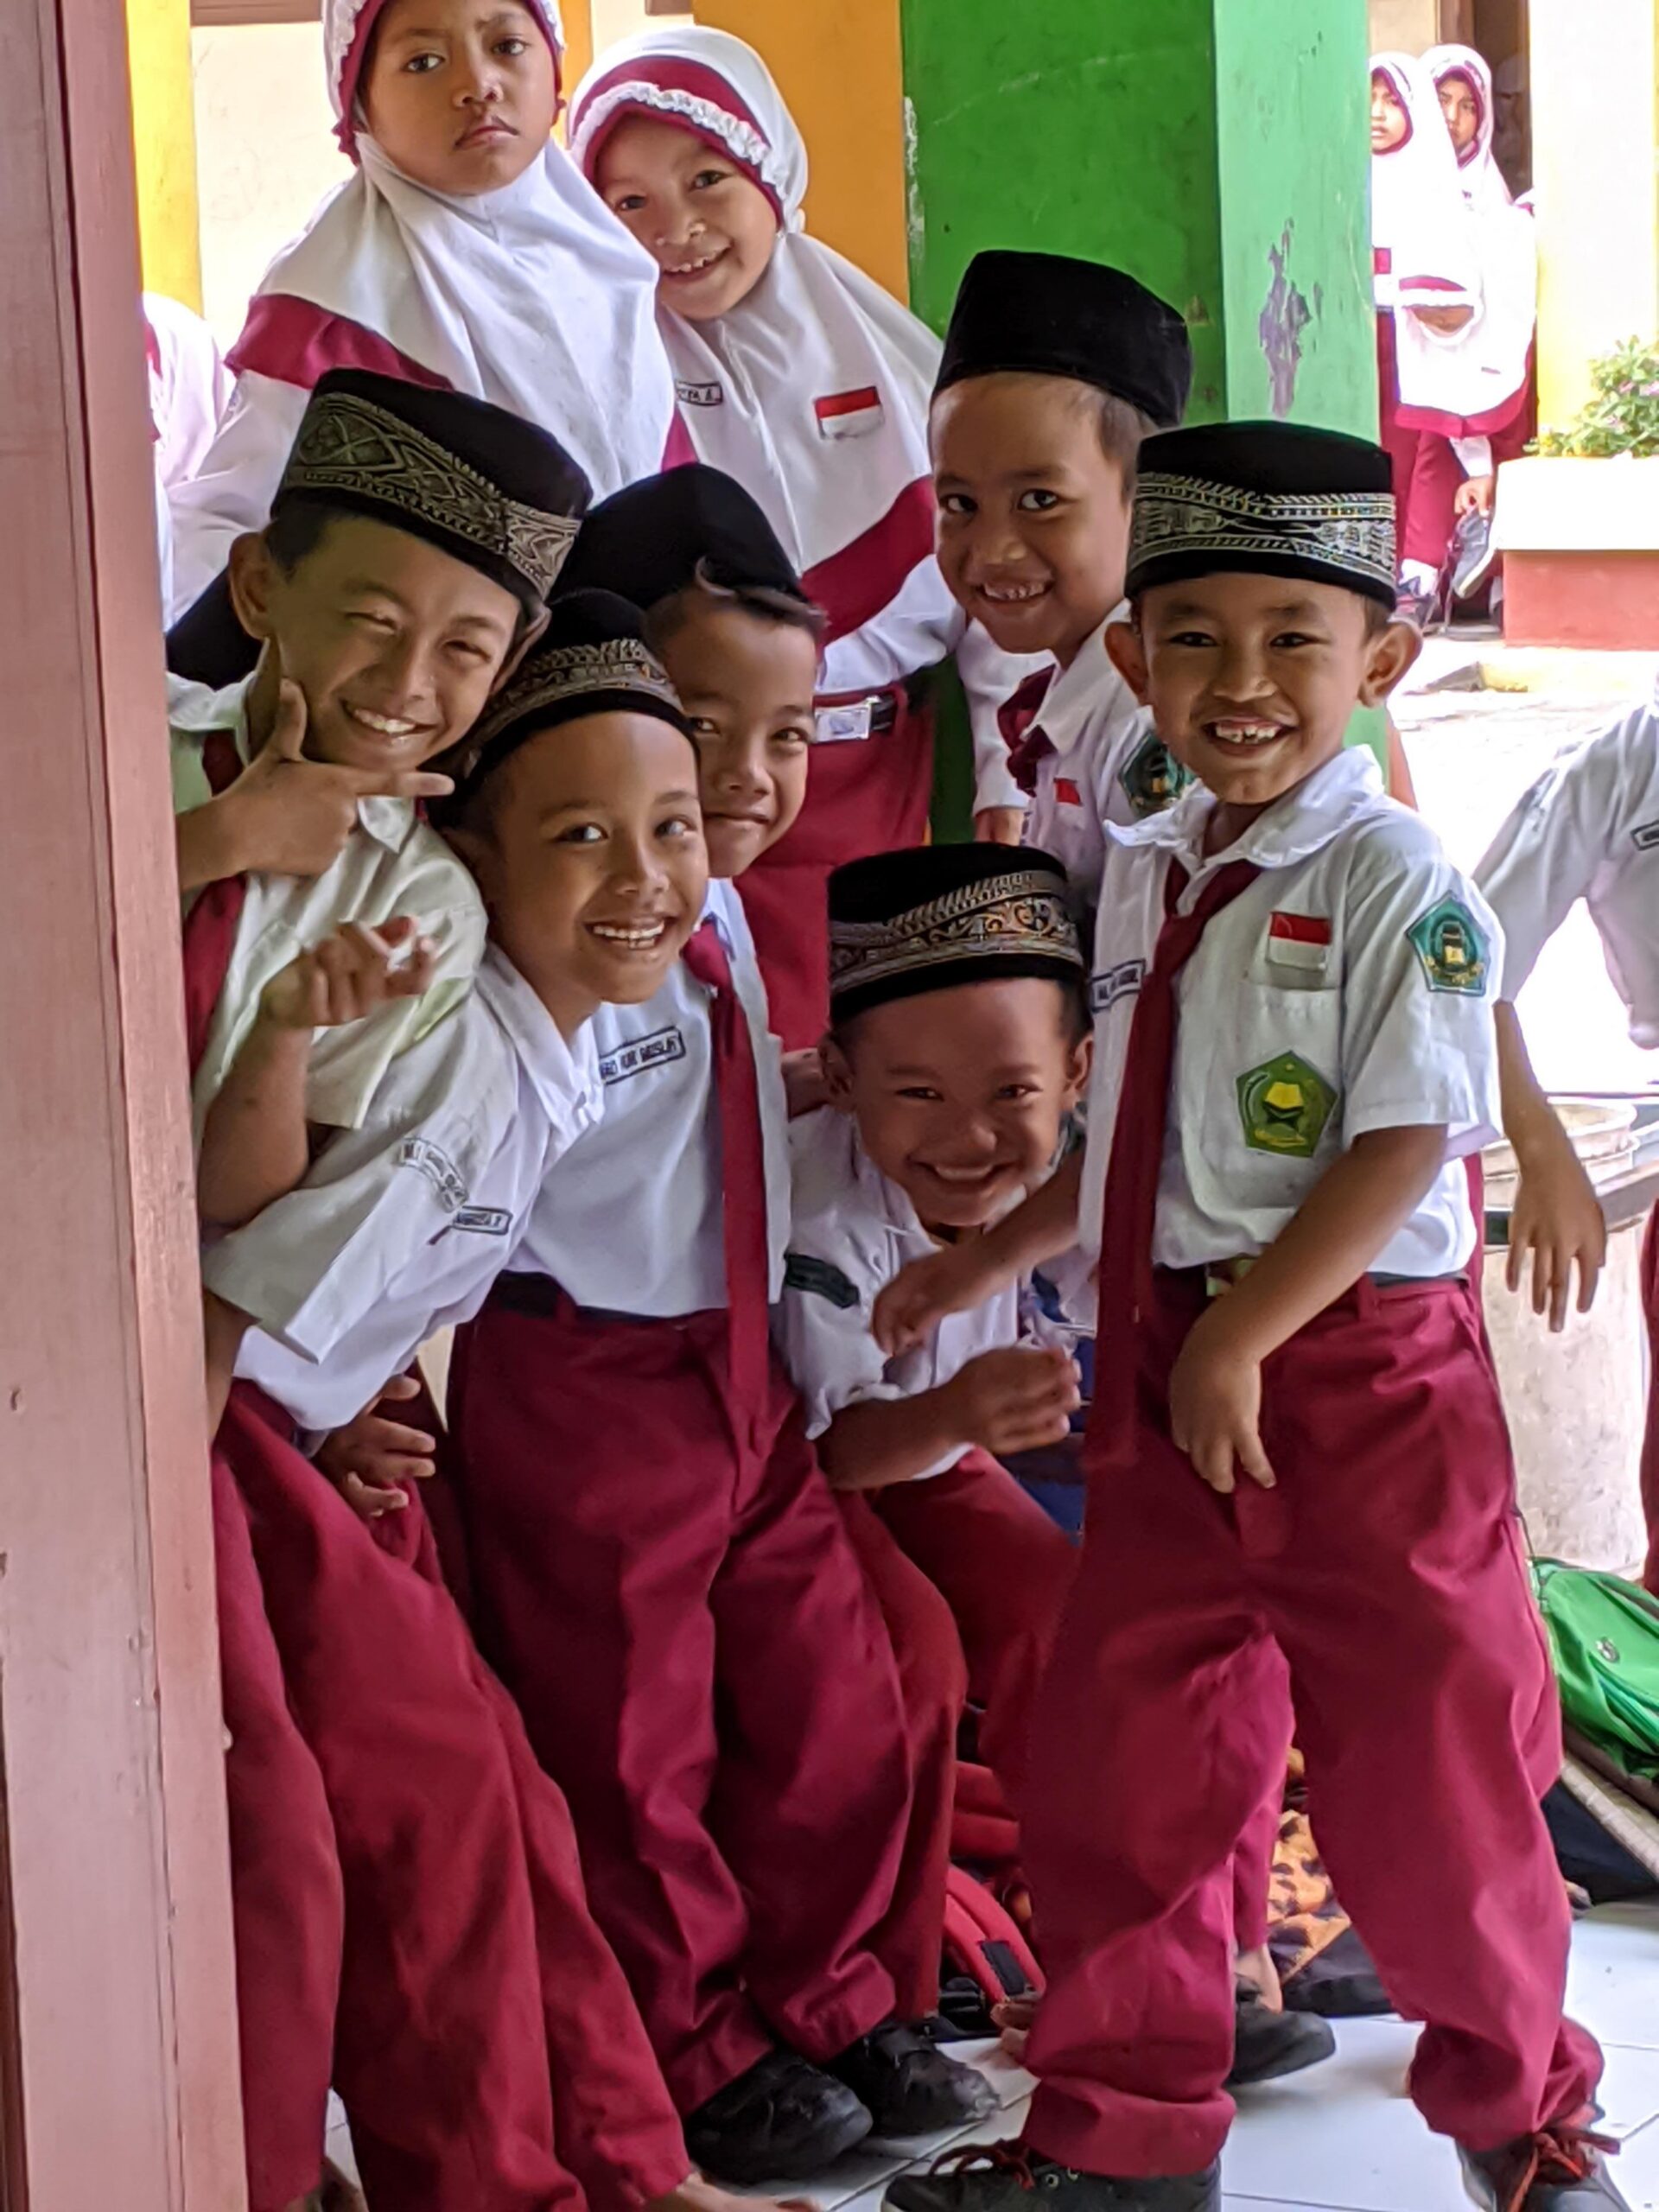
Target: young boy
point(1054, 370)
point(661, 1575)
point(1588, 828)
point(1298, 1460)
point(487, 2049)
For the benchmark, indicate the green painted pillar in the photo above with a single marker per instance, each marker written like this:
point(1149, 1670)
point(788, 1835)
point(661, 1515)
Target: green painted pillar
point(1219, 150)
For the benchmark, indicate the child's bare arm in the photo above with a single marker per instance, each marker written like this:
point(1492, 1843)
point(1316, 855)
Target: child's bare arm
point(965, 1276)
point(255, 1144)
point(1014, 1399)
point(1215, 1392)
point(1557, 1219)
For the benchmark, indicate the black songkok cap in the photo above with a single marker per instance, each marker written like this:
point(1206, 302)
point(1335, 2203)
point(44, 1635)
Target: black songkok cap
point(488, 487)
point(591, 659)
point(1269, 499)
point(651, 539)
point(1049, 314)
point(933, 915)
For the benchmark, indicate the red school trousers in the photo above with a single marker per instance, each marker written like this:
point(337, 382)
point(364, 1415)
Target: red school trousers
point(863, 794)
point(487, 2049)
point(701, 1666)
point(1385, 1572)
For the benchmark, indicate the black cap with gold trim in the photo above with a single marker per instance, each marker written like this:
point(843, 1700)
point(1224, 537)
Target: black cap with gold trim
point(654, 538)
point(591, 659)
point(488, 487)
point(934, 916)
point(1266, 499)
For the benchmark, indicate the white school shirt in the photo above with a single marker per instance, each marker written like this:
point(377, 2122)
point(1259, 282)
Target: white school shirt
point(1109, 764)
point(631, 1220)
point(1349, 988)
point(390, 864)
point(1588, 828)
point(853, 1230)
point(402, 1226)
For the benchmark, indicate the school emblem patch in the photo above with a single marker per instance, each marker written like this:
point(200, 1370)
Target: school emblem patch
point(1152, 778)
point(1453, 949)
point(805, 1271)
point(1284, 1106)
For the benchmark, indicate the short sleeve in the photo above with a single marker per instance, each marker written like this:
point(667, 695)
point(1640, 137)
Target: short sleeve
point(988, 677)
point(1423, 954)
point(823, 1328)
point(1563, 832)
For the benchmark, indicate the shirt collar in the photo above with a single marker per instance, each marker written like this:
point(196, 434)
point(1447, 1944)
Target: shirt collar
point(563, 1073)
point(1293, 828)
point(1074, 697)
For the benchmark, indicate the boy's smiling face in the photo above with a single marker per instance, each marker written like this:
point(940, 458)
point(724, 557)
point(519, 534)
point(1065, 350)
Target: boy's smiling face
point(1033, 513)
point(1252, 680)
point(709, 227)
point(461, 95)
point(587, 846)
point(960, 1095)
point(396, 643)
point(746, 681)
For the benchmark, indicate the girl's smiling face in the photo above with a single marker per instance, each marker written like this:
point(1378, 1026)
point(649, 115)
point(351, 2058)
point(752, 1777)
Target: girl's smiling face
point(705, 222)
point(1389, 123)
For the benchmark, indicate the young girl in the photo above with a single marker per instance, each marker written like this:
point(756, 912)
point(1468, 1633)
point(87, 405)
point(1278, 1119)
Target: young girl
point(806, 382)
point(1426, 289)
point(466, 251)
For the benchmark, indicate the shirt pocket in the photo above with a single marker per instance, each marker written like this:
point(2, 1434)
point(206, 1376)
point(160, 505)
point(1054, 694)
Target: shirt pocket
point(1270, 1099)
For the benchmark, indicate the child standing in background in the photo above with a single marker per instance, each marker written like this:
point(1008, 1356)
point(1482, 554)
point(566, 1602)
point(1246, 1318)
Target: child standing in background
point(801, 378)
point(465, 253)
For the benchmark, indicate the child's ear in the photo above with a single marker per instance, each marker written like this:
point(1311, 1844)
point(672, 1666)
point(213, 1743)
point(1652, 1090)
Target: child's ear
point(1079, 1062)
point(837, 1075)
point(1128, 656)
point(1388, 658)
point(250, 572)
point(516, 652)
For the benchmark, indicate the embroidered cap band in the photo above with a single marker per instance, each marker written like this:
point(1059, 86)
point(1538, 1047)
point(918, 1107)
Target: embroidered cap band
point(350, 446)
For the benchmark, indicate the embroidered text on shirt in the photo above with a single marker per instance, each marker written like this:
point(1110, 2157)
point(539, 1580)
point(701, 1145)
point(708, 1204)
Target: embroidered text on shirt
point(484, 1221)
point(700, 395)
point(1645, 837)
point(1114, 983)
point(429, 1160)
point(640, 1053)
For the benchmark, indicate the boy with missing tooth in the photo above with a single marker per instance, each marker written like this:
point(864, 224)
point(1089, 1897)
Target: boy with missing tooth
point(1298, 1461)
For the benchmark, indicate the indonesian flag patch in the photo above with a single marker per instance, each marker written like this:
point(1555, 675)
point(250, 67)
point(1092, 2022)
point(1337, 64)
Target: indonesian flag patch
point(849, 414)
point(1066, 792)
point(1300, 941)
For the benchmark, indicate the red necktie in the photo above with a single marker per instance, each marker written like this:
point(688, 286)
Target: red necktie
point(1016, 718)
point(743, 1180)
point(1130, 1214)
point(210, 926)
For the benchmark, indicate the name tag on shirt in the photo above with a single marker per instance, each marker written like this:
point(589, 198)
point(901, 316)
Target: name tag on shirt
point(640, 1053)
point(1645, 837)
point(1114, 983)
point(431, 1161)
point(1066, 792)
point(484, 1221)
point(1300, 941)
point(843, 725)
point(849, 414)
point(700, 395)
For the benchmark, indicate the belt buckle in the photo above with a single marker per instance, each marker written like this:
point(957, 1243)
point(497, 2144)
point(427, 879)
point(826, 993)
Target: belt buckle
point(844, 725)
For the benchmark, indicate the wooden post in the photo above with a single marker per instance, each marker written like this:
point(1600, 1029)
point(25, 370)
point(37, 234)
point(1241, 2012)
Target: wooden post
point(116, 2014)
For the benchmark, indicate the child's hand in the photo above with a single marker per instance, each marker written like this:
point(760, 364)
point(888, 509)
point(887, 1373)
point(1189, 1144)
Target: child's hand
point(1016, 1399)
point(1215, 1407)
point(371, 1458)
point(288, 815)
point(1557, 1220)
point(805, 1086)
point(1476, 495)
point(909, 1308)
point(349, 976)
point(999, 826)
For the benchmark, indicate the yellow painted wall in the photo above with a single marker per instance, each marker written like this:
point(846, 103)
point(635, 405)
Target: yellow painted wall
point(1598, 219)
point(577, 17)
point(839, 64)
point(164, 144)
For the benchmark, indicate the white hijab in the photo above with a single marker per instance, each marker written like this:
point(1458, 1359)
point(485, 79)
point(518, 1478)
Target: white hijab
point(823, 378)
point(1420, 232)
point(1483, 180)
point(533, 297)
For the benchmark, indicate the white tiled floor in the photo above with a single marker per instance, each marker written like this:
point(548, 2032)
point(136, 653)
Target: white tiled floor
point(1344, 2138)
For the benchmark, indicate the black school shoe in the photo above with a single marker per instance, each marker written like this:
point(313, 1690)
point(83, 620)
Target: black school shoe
point(783, 2119)
point(1558, 2169)
point(908, 2085)
point(1267, 2045)
point(1010, 2178)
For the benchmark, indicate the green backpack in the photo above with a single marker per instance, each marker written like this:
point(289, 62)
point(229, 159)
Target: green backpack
point(1604, 1633)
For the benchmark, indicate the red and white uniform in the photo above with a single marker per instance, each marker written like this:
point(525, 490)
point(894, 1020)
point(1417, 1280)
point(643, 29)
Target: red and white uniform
point(533, 297)
point(661, 1574)
point(813, 392)
point(1329, 974)
point(1589, 829)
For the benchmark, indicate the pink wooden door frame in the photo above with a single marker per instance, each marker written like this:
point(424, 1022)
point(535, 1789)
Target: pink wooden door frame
point(118, 2039)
